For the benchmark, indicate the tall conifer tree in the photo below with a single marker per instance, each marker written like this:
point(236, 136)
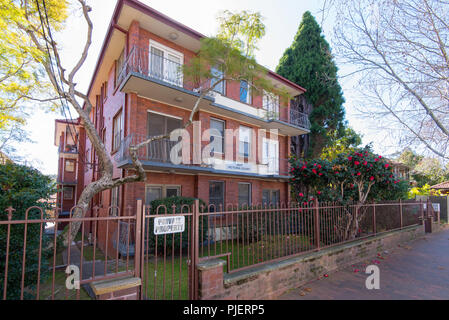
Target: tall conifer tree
point(308, 62)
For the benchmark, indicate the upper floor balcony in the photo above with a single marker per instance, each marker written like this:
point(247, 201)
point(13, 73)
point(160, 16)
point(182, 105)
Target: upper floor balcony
point(156, 156)
point(157, 74)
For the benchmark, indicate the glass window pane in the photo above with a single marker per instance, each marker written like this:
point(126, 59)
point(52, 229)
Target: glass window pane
point(243, 91)
point(244, 194)
point(153, 193)
point(156, 124)
point(217, 135)
point(157, 63)
point(266, 196)
point(216, 194)
point(275, 196)
point(173, 192)
point(217, 75)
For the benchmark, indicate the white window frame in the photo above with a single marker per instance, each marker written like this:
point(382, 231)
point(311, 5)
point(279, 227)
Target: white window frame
point(270, 146)
point(166, 50)
point(241, 152)
point(115, 143)
point(223, 137)
point(223, 82)
point(270, 106)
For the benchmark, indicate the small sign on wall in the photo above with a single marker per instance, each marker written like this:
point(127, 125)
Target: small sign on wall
point(169, 225)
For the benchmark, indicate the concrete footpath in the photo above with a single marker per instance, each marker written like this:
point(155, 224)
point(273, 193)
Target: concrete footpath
point(417, 270)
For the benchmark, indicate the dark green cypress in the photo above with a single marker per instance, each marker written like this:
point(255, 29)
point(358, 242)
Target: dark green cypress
point(308, 62)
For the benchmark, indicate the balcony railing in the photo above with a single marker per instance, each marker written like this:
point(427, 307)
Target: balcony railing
point(146, 63)
point(299, 119)
point(158, 151)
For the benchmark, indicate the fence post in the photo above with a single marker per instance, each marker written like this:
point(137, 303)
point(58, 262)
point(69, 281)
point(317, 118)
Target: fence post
point(317, 223)
point(400, 208)
point(421, 209)
point(374, 219)
point(138, 241)
point(195, 248)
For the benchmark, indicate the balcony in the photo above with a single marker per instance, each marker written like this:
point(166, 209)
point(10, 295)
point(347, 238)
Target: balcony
point(158, 78)
point(156, 156)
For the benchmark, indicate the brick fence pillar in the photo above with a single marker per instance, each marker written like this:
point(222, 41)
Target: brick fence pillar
point(210, 277)
point(117, 289)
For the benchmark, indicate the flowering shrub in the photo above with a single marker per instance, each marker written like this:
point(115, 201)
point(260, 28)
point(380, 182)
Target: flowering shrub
point(354, 177)
point(357, 176)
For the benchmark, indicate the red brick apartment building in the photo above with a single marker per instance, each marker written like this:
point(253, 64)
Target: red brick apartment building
point(137, 91)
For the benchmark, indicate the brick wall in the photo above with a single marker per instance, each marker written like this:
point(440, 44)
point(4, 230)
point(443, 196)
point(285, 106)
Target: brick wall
point(271, 280)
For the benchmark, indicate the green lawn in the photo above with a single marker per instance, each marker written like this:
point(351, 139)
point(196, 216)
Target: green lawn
point(176, 273)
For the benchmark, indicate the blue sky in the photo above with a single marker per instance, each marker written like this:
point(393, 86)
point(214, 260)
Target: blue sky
point(282, 19)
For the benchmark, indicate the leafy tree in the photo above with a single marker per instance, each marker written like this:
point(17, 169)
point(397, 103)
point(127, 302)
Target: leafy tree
point(425, 171)
point(357, 176)
point(348, 142)
point(410, 158)
point(308, 62)
point(21, 188)
point(21, 73)
point(423, 191)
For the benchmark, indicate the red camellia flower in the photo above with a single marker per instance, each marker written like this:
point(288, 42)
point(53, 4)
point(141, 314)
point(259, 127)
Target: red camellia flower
point(375, 160)
point(359, 174)
point(380, 157)
point(356, 163)
point(365, 163)
point(387, 165)
point(350, 158)
point(319, 192)
point(314, 171)
point(320, 174)
point(372, 178)
point(301, 194)
point(303, 167)
point(319, 166)
point(336, 172)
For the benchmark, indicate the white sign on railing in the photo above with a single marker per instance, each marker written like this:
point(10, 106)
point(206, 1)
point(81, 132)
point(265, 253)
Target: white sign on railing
point(169, 225)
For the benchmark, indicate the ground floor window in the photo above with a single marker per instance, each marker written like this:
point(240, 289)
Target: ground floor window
point(216, 195)
point(270, 196)
point(115, 202)
point(244, 194)
point(156, 192)
point(68, 193)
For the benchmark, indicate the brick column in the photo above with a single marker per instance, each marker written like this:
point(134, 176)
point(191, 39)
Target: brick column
point(210, 276)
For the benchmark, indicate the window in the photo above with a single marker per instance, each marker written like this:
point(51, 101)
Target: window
point(165, 64)
point(159, 150)
point(217, 76)
point(70, 165)
point(68, 193)
point(244, 141)
point(244, 194)
point(270, 155)
point(270, 103)
point(216, 194)
point(217, 135)
point(245, 92)
point(270, 197)
point(115, 202)
point(154, 192)
point(117, 131)
point(119, 67)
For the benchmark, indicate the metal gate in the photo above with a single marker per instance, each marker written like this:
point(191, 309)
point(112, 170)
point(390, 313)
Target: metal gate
point(167, 259)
